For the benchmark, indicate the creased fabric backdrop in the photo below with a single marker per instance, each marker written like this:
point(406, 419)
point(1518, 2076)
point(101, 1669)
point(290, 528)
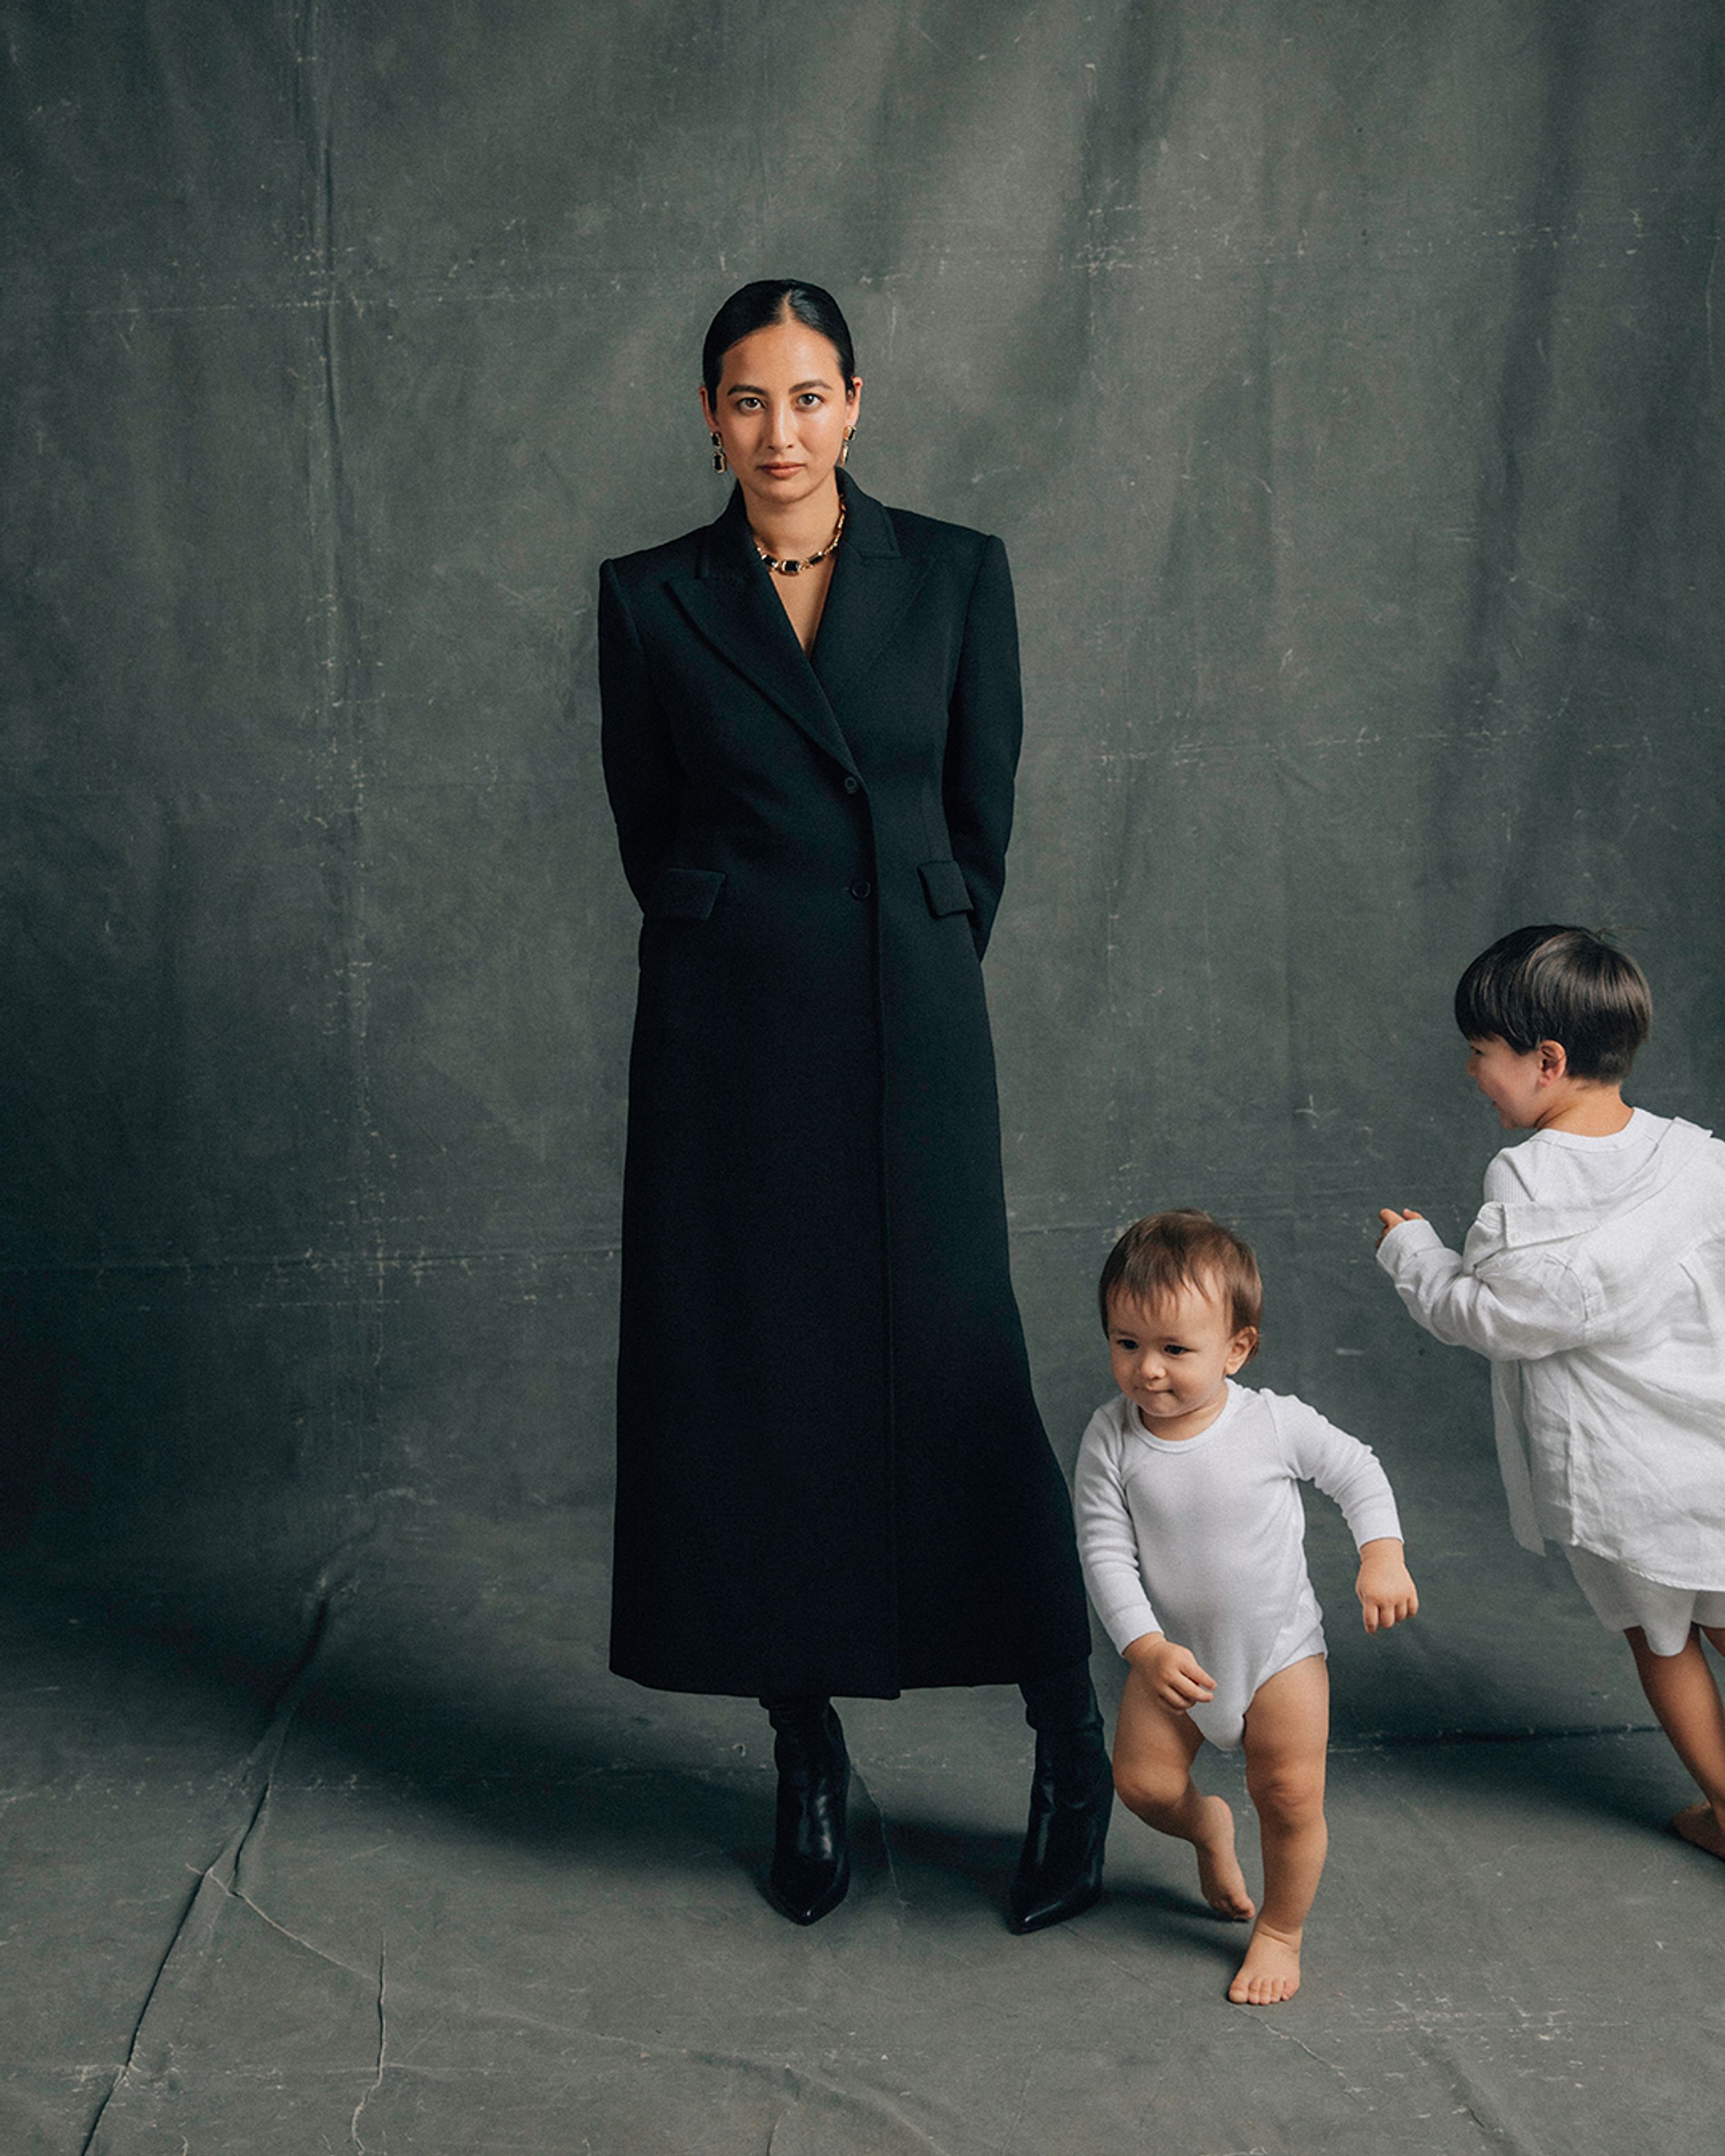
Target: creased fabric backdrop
point(1342, 378)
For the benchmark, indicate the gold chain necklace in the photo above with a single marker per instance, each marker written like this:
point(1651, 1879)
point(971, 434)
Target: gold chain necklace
point(789, 568)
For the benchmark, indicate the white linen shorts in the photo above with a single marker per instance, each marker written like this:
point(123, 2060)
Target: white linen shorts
point(1621, 1598)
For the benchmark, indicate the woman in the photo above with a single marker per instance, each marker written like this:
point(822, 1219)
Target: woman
point(832, 1477)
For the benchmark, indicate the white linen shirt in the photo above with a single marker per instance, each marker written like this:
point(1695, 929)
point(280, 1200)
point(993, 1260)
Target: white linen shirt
point(1603, 1320)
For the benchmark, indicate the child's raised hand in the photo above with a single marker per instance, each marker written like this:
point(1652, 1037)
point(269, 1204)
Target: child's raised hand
point(1391, 1219)
point(1385, 1587)
point(1172, 1672)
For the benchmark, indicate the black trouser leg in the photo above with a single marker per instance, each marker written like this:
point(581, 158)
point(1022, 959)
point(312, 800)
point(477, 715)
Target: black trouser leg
point(1059, 1870)
point(811, 1847)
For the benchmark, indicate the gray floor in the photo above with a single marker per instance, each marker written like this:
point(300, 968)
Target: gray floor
point(451, 1890)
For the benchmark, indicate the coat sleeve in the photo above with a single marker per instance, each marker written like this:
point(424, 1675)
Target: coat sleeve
point(984, 729)
point(1107, 1546)
point(643, 778)
point(1516, 1309)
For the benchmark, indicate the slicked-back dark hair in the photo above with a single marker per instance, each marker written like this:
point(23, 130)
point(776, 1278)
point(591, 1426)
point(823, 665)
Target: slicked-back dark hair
point(1164, 1252)
point(758, 306)
point(1561, 984)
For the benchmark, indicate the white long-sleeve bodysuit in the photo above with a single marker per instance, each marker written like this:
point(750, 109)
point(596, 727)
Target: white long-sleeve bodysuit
point(1593, 1279)
point(1203, 1538)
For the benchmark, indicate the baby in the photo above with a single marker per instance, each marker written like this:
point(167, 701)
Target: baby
point(1192, 1534)
point(1593, 1279)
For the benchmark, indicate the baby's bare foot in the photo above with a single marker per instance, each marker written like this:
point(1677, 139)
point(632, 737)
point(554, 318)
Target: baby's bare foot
point(1270, 1971)
point(1220, 1878)
point(1700, 1824)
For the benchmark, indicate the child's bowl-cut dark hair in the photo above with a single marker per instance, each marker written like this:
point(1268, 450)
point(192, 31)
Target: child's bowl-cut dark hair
point(1164, 1252)
point(1561, 984)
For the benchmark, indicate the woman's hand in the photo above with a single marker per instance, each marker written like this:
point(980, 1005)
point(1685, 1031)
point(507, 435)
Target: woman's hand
point(1391, 1219)
point(1171, 1672)
point(1385, 1587)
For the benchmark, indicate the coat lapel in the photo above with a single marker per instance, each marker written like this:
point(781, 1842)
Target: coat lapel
point(730, 602)
point(872, 585)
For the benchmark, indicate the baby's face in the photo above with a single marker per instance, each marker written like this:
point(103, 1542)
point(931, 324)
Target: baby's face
point(1172, 1358)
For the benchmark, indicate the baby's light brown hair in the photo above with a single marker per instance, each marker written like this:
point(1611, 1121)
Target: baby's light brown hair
point(1165, 1252)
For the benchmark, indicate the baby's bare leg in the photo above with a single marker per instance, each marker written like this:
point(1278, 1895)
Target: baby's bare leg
point(1153, 1751)
point(1681, 1693)
point(1287, 1729)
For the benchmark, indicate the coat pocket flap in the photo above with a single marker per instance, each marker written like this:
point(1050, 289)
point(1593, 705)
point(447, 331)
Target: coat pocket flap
point(943, 882)
point(683, 894)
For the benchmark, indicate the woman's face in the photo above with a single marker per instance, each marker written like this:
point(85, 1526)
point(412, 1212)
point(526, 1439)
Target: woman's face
point(780, 413)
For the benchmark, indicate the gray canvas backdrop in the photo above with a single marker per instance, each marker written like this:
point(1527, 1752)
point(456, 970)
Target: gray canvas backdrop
point(1342, 377)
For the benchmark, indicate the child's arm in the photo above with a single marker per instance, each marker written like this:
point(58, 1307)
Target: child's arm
point(1107, 1546)
point(1350, 1473)
point(1108, 1550)
point(1531, 1304)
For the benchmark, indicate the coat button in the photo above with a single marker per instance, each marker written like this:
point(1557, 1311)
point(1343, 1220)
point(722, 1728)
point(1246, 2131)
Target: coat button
point(860, 890)
point(853, 786)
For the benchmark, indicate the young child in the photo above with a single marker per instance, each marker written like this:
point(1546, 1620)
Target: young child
point(1192, 1534)
point(1594, 1280)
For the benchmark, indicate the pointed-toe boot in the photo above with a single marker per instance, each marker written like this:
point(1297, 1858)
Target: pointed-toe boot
point(811, 1846)
point(1060, 1872)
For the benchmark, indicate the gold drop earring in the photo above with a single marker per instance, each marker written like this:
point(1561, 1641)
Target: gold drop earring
point(719, 462)
point(844, 446)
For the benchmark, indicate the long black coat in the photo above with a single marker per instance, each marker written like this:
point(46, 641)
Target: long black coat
point(831, 1475)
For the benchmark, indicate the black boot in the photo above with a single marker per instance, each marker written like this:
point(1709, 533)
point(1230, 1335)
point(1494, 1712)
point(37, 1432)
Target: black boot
point(1060, 1872)
point(811, 1849)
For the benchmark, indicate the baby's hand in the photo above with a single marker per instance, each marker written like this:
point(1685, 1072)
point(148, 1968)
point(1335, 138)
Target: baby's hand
point(1385, 1587)
point(1172, 1672)
point(1391, 1219)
